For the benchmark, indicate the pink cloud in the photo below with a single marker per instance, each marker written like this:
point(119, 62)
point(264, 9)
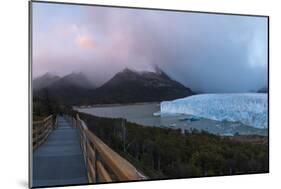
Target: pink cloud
point(85, 42)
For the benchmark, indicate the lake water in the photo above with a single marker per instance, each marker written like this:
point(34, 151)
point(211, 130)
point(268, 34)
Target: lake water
point(143, 115)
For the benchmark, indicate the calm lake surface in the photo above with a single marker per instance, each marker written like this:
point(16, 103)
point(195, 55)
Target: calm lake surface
point(143, 115)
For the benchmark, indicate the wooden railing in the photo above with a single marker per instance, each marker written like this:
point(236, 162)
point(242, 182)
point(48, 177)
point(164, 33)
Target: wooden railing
point(41, 130)
point(103, 164)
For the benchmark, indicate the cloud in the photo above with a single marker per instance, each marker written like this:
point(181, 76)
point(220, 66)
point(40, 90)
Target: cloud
point(207, 52)
point(85, 42)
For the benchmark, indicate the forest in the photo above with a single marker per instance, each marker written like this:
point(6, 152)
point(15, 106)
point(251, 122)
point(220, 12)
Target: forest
point(168, 153)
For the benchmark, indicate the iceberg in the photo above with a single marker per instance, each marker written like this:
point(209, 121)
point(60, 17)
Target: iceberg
point(156, 113)
point(248, 108)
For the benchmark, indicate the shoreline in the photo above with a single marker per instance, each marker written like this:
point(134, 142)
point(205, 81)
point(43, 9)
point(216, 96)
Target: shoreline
point(114, 105)
point(217, 129)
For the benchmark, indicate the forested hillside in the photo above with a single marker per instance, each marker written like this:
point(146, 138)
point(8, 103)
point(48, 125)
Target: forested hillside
point(167, 153)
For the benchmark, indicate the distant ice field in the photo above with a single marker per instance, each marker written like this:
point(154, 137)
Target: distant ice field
point(248, 108)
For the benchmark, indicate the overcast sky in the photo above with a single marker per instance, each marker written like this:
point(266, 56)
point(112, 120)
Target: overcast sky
point(206, 52)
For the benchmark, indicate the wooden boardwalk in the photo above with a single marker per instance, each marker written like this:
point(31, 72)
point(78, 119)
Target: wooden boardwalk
point(59, 161)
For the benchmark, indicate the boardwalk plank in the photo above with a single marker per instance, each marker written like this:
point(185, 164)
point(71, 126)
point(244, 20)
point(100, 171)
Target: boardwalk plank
point(59, 161)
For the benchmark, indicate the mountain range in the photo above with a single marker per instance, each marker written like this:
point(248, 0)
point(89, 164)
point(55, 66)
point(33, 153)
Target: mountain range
point(44, 81)
point(263, 90)
point(127, 86)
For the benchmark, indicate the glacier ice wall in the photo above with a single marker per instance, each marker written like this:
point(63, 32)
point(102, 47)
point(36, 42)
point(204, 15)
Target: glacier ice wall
point(248, 108)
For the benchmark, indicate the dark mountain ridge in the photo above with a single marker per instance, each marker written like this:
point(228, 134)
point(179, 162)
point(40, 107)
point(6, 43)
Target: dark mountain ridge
point(44, 81)
point(127, 86)
point(263, 90)
point(131, 86)
point(74, 79)
point(70, 89)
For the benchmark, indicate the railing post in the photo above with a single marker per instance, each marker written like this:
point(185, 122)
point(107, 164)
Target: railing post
point(55, 124)
point(95, 163)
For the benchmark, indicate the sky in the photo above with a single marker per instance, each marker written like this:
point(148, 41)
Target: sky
point(209, 53)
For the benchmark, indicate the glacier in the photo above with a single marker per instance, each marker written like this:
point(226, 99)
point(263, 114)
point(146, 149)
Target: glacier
point(248, 108)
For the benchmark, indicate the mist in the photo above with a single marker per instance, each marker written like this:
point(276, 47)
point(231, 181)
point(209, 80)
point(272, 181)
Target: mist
point(207, 52)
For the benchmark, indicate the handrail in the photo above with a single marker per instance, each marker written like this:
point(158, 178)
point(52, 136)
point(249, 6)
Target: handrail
point(103, 164)
point(41, 130)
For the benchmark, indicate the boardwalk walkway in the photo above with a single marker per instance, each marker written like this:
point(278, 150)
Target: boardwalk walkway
point(59, 161)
